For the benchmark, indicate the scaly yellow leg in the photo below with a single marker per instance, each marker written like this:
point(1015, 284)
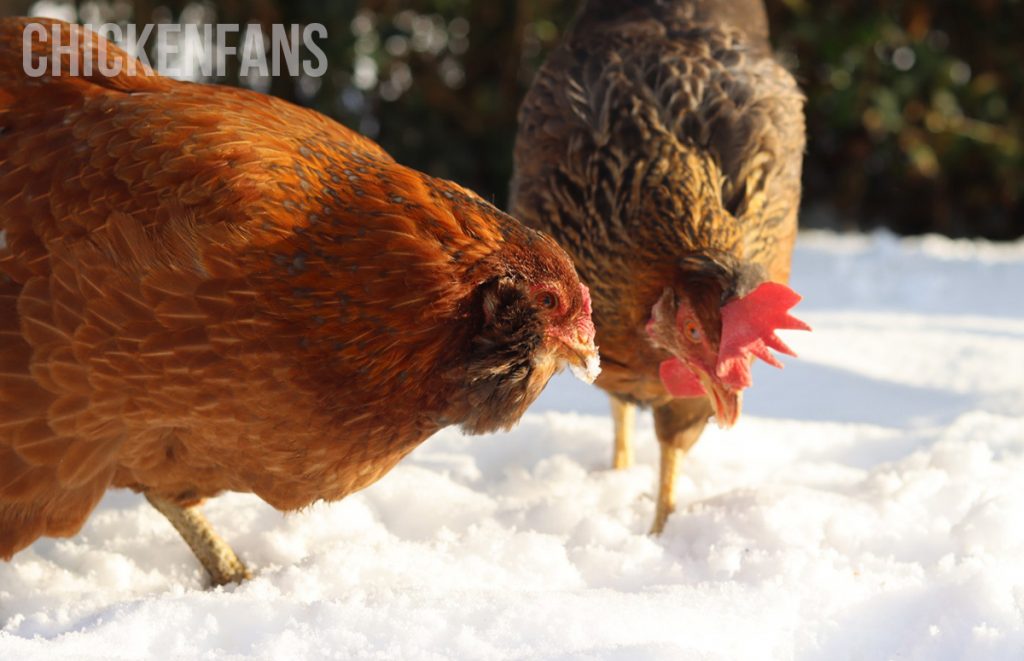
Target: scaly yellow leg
point(210, 549)
point(678, 424)
point(670, 459)
point(624, 417)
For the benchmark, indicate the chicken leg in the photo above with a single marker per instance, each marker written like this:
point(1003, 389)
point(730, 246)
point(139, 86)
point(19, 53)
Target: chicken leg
point(210, 549)
point(624, 417)
point(678, 424)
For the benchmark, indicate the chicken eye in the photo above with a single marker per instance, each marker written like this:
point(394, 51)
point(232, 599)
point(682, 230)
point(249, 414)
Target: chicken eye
point(547, 300)
point(692, 330)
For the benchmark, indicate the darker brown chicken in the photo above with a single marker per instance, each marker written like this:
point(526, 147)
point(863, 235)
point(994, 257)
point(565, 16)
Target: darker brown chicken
point(661, 146)
point(207, 289)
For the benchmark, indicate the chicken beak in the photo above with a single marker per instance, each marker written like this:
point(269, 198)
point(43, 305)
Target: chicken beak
point(583, 359)
point(727, 402)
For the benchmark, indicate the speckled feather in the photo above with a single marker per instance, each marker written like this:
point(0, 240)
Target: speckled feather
point(661, 145)
point(204, 289)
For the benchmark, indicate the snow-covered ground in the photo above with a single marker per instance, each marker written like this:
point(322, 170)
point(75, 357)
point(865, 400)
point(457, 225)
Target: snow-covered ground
point(869, 505)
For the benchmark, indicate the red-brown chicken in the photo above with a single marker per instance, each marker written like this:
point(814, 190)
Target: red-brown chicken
point(661, 145)
point(206, 289)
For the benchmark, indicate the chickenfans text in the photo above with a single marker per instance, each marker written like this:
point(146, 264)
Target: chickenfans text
point(185, 51)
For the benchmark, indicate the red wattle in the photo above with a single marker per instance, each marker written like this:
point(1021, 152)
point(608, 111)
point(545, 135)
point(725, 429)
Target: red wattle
point(679, 380)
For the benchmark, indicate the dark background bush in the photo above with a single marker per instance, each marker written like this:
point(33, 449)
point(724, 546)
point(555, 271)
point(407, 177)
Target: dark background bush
point(915, 108)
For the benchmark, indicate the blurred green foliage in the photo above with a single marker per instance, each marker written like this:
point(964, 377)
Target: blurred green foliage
point(915, 108)
point(915, 111)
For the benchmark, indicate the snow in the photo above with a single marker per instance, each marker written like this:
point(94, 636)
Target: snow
point(869, 505)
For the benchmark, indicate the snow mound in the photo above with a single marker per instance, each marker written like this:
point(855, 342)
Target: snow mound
point(869, 505)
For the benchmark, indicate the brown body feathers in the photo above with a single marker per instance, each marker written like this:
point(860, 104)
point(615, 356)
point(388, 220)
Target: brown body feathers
point(206, 289)
point(661, 146)
point(658, 142)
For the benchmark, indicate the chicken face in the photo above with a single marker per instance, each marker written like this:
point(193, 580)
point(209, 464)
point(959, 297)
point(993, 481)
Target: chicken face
point(568, 328)
point(713, 345)
point(549, 289)
point(687, 324)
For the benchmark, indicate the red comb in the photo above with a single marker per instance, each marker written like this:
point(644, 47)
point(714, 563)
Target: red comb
point(585, 293)
point(748, 329)
point(586, 321)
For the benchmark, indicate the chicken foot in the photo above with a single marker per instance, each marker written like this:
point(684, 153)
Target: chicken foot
point(624, 417)
point(213, 553)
